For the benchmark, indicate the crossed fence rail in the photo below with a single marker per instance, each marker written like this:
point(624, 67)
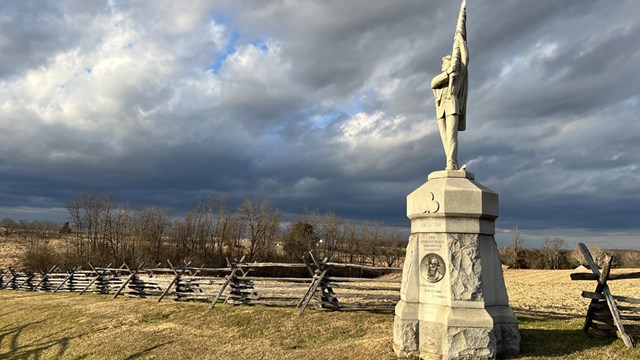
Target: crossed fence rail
point(234, 284)
point(608, 314)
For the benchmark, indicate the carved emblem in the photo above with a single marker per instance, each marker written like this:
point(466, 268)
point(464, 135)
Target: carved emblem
point(433, 267)
point(432, 204)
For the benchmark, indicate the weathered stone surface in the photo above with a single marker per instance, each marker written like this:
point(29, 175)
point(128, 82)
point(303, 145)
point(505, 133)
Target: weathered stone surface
point(409, 279)
point(433, 339)
point(405, 328)
point(466, 267)
point(466, 343)
point(405, 337)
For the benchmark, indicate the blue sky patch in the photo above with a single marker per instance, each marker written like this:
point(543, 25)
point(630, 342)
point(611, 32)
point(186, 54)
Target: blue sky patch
point(228, 50)
point(261, 44)
point(231, 47)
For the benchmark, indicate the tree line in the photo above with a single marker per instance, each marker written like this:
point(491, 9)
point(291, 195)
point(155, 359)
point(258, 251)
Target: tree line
point(101, 231)
point(555, 255)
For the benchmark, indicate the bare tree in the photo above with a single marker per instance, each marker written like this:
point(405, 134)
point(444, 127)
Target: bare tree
point(332, 232)
point(371, 236)
point(576, 256)
point(517, 258)
point(392, 248)
point(8, 226)
point(598, 255)
point(179, 233)
point(351, 245)
point(151, 224)
point(631, 259)
point(74, 207)
point(106, 218)
point(121, 233)
point(222, 226)
point(517, 239)
point(93, 207)
point(552, 249)
point(261, 226)
point(199, 228)
point(233, 237)
point(299, 238)
point(506, 255)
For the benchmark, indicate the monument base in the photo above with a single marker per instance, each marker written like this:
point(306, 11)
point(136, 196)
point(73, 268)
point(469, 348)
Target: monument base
point(447, 333)
point(454, 304)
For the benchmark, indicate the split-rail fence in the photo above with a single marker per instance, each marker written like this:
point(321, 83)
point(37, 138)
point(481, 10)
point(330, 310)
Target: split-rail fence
point(236, 284)
point(608, 314)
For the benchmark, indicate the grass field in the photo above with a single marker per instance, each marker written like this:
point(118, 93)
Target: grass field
point(70, 326)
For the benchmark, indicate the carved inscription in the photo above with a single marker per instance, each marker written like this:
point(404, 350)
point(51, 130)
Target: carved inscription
point(430, 224)
point(433, 244)
point(433, 268)
point(433, 291)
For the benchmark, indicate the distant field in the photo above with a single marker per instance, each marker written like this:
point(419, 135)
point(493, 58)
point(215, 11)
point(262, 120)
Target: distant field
point(553, 292)
point(71, 326)
point(11, 252)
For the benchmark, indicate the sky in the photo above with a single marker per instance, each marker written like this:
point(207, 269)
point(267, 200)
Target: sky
point(323, 105)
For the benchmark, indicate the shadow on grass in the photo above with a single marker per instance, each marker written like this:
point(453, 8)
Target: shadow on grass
point(37, 349)
point(8, 313)
point(553, 343)
point(147, 351)
point(555, 335)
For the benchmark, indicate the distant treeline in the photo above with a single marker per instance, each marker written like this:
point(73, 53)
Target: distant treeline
point(102, 231)
point(555, 255)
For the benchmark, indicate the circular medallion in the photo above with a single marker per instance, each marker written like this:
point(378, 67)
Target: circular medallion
point(433, 268)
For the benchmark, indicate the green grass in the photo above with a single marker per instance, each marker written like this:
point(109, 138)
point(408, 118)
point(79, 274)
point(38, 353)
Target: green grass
point(545, 337)
point(70, 326)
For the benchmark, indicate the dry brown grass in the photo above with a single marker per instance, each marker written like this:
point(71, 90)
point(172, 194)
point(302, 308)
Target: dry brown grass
point(551, 311)
point(11, 252)
point(92, 326)
point(70, 326)
point(553, 292)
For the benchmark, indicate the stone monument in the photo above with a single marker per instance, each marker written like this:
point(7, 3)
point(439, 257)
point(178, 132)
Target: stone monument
point(453, 301)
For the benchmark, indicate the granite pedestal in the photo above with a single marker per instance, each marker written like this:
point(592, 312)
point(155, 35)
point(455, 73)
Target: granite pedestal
point(453, 301)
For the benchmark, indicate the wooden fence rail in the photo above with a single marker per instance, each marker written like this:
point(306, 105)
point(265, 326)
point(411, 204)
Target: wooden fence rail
point(235, 284)
point(604, 315)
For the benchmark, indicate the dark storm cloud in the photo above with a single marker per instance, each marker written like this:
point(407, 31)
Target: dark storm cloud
point(34, 32)
point(321, 105)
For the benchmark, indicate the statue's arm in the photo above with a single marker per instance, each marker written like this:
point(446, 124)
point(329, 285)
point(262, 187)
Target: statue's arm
point(441, 80)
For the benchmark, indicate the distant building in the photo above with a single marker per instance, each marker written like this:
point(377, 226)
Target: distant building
point(581, 268)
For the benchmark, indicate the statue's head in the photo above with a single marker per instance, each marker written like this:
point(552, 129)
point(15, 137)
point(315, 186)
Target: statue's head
point(446, 62)
point(433, 266)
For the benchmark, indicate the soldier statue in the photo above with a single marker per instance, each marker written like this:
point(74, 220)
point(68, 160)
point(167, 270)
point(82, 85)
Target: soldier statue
point(450, 92)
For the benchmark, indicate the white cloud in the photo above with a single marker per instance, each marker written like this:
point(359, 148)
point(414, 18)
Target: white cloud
point(377, 131)
point(314, 96)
